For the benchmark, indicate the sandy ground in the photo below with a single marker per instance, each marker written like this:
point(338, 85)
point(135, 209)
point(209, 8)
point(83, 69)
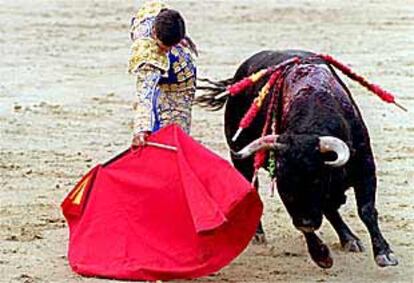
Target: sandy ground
point(65, 104)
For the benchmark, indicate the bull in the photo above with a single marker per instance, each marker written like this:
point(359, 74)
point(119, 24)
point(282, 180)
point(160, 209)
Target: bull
point(321, 150)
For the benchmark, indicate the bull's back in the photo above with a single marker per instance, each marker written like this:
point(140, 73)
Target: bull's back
point(266, 59)
point(322, 76)
point(317, 79)
point(237, 106)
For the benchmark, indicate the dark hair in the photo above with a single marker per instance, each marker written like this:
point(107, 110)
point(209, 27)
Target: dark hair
point(169, 27)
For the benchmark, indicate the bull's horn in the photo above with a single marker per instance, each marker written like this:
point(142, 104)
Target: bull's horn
point(328, 143)
point(266, 143)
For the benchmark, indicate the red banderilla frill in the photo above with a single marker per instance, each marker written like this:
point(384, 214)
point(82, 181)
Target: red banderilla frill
point(383, 94)
point(257, 104)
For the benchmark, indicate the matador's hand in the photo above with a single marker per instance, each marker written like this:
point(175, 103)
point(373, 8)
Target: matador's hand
point(140, 139)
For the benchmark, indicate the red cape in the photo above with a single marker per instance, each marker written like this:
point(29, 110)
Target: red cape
point(159, 214)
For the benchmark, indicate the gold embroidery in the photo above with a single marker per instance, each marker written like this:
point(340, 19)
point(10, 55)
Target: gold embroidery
point(176, 67)
point(175, 106)
point(148, 10)
point(180, 77)
point(174, 51)
point(178, 87)
point(146, 51)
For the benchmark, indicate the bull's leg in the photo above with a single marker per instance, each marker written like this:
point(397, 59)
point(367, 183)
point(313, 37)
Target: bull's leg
point(259, 237)
point(318, 251)
point(365, 190)
point(245, 167)
point(348, 240)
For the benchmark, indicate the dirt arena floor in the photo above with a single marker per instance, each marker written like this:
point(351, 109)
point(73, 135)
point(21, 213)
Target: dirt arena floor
point(65, 105)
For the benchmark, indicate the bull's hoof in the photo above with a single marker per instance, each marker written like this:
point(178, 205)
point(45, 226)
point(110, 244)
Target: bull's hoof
point(259, 239)
point(322, 256)
point(353, 246)
point(385, 260)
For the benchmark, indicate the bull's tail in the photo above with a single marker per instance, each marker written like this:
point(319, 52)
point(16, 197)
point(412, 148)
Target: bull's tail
point(214, 96)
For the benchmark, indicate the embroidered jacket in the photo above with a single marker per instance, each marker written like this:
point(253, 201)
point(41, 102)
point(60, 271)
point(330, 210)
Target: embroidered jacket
point(165, 84)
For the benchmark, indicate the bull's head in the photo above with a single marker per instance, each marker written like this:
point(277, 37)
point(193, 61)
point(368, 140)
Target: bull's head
point(302, 172)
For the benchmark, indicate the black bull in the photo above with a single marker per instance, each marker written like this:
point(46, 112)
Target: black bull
point(315, 103)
